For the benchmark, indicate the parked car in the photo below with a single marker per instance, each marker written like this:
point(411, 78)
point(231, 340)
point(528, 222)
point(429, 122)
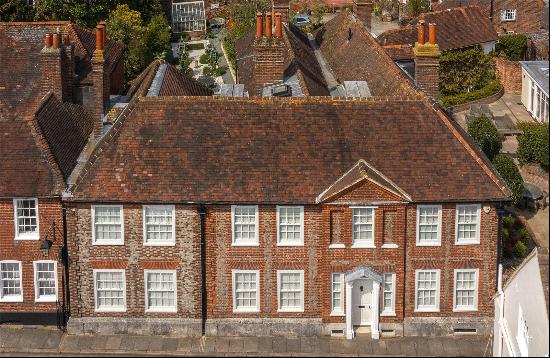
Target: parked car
point(301, 20)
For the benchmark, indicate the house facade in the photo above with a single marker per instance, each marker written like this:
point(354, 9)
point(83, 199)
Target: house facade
point(534, 89)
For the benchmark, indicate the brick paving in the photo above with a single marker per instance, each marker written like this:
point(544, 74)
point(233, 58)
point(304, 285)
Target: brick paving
point(15, 341)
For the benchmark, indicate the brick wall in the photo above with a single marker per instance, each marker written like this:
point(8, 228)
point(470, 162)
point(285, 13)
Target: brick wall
point(49, 212)
point(528, 15)
point(268, 60)
point(509, 75)
point(426, 75)
point(134, 257)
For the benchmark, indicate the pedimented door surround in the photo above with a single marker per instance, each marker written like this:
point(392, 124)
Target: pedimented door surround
point(359, 276)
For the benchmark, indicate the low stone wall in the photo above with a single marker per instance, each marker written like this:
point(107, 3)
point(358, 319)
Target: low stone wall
point(446, 326)
point(175, 327)
point(487, 100)
point(509, 75)
point(264, 327)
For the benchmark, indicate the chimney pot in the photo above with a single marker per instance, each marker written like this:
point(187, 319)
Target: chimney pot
point(421, 32)
point(48, 40)
point(104, 24)
point(99, 38)
point(259, 25)
point(278, 27)
point(66, 40)
point(268, 29)
point(55, 41)
point(432, 34)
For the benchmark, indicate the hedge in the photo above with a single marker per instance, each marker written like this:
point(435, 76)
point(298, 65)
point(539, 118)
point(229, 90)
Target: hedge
point(489, 90)
point(533, 144)
point(511, 46)
point(511, 175)
point(486, 136)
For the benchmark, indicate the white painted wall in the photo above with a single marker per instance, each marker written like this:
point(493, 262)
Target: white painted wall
point(488, 46)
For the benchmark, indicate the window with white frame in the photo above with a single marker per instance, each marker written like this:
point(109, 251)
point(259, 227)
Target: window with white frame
point(337, 294)
point(159, 225)
point(245, 225)
point(160, 290)
point(188, 16)
point(428, 225)
point(523, 334)
point(45, 281)
point(467, 224)
point(110, 290)
point(427, 290)
point(246, 285)
point(388, 294)
point(290, 286)
point(290, 225)
point(465, 297)
point(508, 15)
point(26, 219)
point(11, 285)
point(108, 225)
point(363, 227)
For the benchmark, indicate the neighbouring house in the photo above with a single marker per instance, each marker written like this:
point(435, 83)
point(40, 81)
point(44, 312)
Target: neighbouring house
point(457, 28)
point(507, 16)
point(309, 215)
point(534, 89)
point(42, 134)
point(188, 16)
point(521, 320)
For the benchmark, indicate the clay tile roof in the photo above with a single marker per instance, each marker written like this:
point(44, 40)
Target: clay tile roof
point(456, 28)
point(211, 149)
point(360, 57)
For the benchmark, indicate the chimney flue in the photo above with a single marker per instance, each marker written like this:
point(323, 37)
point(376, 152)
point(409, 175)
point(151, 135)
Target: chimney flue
point(66, 40)
point(55, 41)
point(48, 40)
point(432, 34)
point(99, 38)
point(421, 32)
point(259, 25)
point(278, 27)
point(268, 25)
point(104, 24)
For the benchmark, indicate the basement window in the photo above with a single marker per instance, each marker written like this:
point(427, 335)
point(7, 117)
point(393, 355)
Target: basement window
point(464, 331)
point(337, 332)
point(281, 91)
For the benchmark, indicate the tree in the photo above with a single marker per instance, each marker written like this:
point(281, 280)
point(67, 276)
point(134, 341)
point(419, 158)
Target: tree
point(156, 38)
point(418, 7)
point(147, 8)
point(509, 172)
point(16, 10)
point(82, 12)
point(486, 136)
point(124, 24)
point(533, 144)
point(184, 60)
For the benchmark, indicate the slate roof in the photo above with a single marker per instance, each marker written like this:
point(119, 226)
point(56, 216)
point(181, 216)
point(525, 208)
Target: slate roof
point(299, 60)
point(456, 28)
point(281, 150)
point(39, 153)
point(167, 80)
point(354, 55)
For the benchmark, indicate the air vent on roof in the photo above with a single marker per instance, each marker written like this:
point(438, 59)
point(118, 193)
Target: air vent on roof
point(283, 90)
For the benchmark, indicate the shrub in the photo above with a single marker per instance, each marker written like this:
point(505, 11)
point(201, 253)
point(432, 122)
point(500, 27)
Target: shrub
point(524, 236)
point(505, 233)
point(511, 46)
point(486, 136)
point(533, 144)
point(204, 59)
point(490, 89)
point(520, 249)
point(510, 174)
point(508, 222)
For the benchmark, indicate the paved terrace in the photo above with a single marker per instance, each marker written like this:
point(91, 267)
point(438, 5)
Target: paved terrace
point(17, 340)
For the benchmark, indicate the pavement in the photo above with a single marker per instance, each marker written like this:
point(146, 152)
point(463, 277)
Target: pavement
point(20, 341)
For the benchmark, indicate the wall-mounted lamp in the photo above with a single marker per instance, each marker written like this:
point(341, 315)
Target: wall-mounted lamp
point(45, 246)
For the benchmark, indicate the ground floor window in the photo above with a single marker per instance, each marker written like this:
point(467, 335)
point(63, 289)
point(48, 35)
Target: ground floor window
point(337, 294)
point(388, 295)
point(538, 103)
point(45, 281)
point(245, 291)
point(11, 286)
point(290, 286)
point(427, 290)
point(160, 290)
point(465, 296)
point(110, 290)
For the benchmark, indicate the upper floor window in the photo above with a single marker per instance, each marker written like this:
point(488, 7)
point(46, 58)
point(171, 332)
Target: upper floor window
point(508, 15)
point(467, 224)
point(290, 225)
point(108, 227)
point(110, 290)
point(363, 227)
point(337, 294)
point(245, 225)
point(428, 225)
point(26, 219)
point(245, 291)
point(465, 297)
point(159, 225)
point(427, 290)
point(388, 295)
point(160, 291)
point(45, 281)
point(11, 285)
point(290, 290)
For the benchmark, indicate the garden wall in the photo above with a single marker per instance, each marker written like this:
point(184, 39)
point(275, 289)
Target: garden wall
point(509, 75)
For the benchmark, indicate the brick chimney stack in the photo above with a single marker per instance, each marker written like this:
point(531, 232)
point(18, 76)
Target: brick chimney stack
point(426, 61)
point(363, 11)
point(268, 51)
point(56, 68)
point(433, 5)
point(101, 81)
point(282, 7)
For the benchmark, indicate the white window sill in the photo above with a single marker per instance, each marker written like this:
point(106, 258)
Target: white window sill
point(336, 246)
point(172, 244)
point(107, 310)
point(46, 300)
point(11, 299)
point(428, 244)
point(465, 309)
point(161, 310)
point(290, 244)
point(421, 310)
point(245, 244)
point(108, 243)
point(465, 243)
point(290, 310)
point(390, 246)
point(27, 237)
point(388, 314)
point(362, 245)
point(246, 310)
point(337, 314)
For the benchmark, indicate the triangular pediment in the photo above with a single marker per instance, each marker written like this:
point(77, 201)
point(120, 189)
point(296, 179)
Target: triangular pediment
point(363, 177)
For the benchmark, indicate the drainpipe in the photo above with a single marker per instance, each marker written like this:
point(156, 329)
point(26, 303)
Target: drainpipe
point(491, 11)
point(404, 267)
point(201, 210)
point(64, 257)
point(500, 213)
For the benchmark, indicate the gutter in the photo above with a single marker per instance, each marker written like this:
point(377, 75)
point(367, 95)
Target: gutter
point(201, 210)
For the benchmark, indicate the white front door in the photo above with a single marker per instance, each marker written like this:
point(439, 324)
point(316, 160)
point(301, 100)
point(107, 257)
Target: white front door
point(362, 302)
